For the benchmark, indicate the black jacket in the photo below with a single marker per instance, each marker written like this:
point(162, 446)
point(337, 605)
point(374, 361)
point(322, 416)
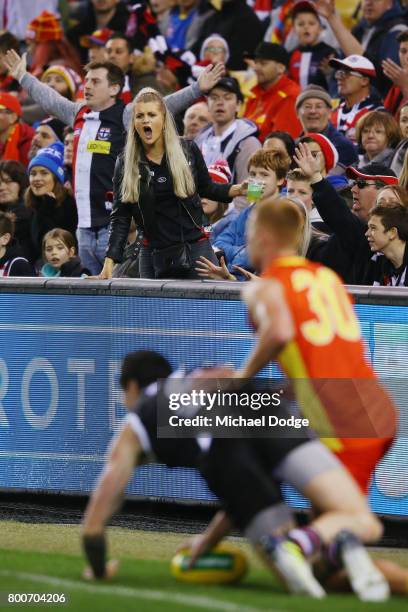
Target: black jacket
point(47, 216)
point(143, 212)
point(238, 24)
point(73, 268)
point(13, 262)
point(22, 234)
point(353, 261)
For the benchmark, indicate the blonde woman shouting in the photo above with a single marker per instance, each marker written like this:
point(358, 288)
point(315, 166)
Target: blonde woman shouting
point(158, 182)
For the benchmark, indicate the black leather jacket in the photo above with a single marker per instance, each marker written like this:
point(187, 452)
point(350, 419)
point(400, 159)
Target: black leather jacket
point(143, 211)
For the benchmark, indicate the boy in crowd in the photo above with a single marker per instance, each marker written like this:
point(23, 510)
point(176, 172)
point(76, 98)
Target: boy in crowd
point(306, 60)
point(387, 236)
point(270, 169)
point(11, 262)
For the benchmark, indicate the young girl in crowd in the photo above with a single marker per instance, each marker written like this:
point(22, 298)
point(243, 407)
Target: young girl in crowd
point(51, 203)
point(59, 254)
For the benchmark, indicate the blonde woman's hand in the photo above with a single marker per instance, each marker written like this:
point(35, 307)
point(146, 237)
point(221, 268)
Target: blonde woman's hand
point(241, 189)
point(106, 272)
point(206, 269)
point(309, 165)
point(326, 8)
point(16, 65)
point(248, 275)
point(210, 77)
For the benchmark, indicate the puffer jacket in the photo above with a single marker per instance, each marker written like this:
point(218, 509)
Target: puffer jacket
point(143, 211)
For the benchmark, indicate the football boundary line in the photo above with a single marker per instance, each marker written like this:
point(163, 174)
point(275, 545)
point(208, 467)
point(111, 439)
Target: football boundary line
point(196, 601)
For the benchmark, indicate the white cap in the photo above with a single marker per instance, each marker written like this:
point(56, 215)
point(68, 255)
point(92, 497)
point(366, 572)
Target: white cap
point(356, 63)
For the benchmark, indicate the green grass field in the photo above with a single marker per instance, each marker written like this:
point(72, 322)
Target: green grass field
point(45, 558)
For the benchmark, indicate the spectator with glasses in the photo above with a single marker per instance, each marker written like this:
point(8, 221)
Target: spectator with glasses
point(348, 226)
point(353, 75)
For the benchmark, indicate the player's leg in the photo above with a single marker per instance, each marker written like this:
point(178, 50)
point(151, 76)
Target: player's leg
point(252, 500)
point(345, 518)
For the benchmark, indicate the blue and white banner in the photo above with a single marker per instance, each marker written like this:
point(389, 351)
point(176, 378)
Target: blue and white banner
point(60, 401)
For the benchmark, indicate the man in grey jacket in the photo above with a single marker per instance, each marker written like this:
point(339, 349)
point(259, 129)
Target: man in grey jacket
point(228, 138)
point(99, 136)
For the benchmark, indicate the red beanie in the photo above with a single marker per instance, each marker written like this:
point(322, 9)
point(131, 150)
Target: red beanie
point(220, 172)
point(45, 27)
point(10, 102)
point(330, 154)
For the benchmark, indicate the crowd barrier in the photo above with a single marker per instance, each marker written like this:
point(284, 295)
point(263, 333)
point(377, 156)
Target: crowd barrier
point(61, 344)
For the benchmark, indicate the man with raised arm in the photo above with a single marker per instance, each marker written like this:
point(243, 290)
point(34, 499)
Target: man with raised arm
point(99, 124)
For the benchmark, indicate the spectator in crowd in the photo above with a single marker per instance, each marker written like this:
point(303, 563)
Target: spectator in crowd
point(307, 59)
point(214, 49)
point(48, 132)
point(377, 134)
point(298, 186)
point(348, 227)
point(353, 76)
point(219, 214)
point(119, 51)
point(324, 150)
point(235, 21)
point(15, 135)
point(99, 141)
point(196, 118)
point(382, 21)
point(95, 43)
point(59, 255)
point(270, 169)
point(398, 94)
point(280, 30)
point(161, 10)
point(13, 183)
point(68, 156)
point(46, 44)
point(12, 263)
point(314, 109)
point(63, 79)
point(101, 14)
point(51, 203)
point(7, 83)
point(186, 21)
point(387, 236)
point(228, 137)
point(402, 148)
point(280, 142)
point(157, 181)
point(272, 106)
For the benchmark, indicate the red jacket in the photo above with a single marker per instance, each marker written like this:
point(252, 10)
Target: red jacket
point(394, 101)
point(274, 108)
point(18, 143)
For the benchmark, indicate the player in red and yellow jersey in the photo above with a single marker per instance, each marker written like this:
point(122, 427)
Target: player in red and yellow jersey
point(305, 320)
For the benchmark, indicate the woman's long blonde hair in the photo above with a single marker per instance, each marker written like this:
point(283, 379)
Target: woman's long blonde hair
point(177, 163)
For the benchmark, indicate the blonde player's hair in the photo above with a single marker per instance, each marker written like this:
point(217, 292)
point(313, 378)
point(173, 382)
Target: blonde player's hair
point(179, 168)
point(288, 218)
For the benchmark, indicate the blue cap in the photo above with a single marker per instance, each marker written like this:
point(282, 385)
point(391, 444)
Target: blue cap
point(52, 158)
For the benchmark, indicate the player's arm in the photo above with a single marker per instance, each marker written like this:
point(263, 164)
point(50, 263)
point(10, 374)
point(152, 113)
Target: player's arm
point(269, 311)
point(218, 528)
point(107, 497)
point(180, 100)
point(49, 100)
